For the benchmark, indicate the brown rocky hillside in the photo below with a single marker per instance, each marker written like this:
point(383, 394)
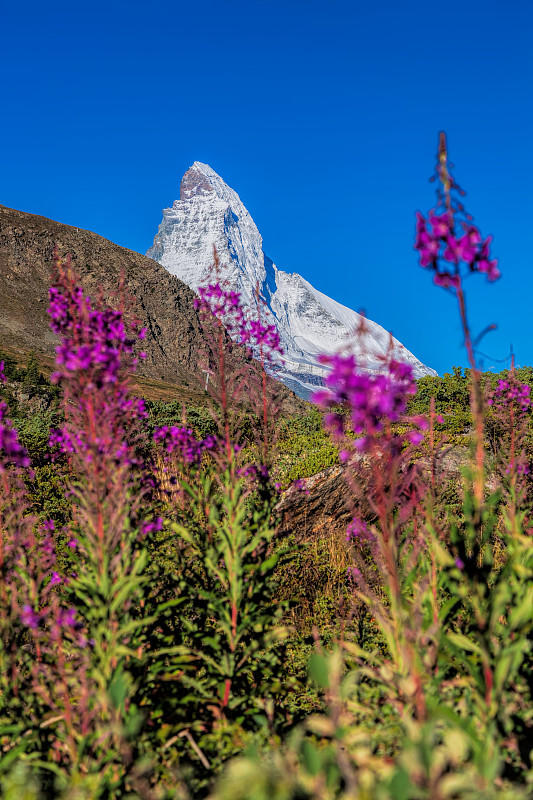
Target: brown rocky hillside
point(174, 343)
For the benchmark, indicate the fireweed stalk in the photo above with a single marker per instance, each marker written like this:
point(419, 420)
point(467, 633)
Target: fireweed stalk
point(224, 516)
point(386, 489)
point(42, 644)
point(422, 639)
point(100, 435)
point(239, 382)
point(452, 247)
point(510, 406)
point(490, 595)
point(101, 417)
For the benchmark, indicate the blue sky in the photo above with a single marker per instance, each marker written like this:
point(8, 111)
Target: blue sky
point(323, 116)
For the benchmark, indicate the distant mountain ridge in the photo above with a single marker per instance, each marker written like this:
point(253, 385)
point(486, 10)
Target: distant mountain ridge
point(210, 213)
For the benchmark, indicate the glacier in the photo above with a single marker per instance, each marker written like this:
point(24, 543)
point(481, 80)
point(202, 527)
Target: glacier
point(208, 214)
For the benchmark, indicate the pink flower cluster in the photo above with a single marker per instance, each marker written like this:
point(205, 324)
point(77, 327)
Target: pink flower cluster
point(226, 306)
point(255, 472)
point(183, 442)
point(437, 241)
point(512, 392)
point(63, 618)
point(370, 399)
point(358, 531)
point(95, 348)
point(512, 404)
point(223, 304)
point(92, 340)
point(11, 451)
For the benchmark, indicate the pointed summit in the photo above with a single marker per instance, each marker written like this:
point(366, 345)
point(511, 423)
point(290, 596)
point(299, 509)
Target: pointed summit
point(210, 213)
point(196, 181)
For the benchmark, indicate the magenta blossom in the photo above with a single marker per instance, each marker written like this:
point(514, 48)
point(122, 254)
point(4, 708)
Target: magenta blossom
point(225, 305)
point(151, 526)
point(183, 442)
point(66, 618)
point(29, 618)
point(512, 392)
point(370, 399)
point(441, 242)
point(95, 351)
point(354, 575)
point(11, 451)
point(358, 531)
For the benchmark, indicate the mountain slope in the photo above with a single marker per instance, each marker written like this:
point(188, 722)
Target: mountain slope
point(209, 213)
point(175, 345)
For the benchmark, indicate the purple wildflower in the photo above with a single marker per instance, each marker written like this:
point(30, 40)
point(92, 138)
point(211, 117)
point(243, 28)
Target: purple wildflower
point(151, 526)
point(95, 350)
point(66, 618)
point(183, 442)
point(512, 392)
point(357, 530)
point(442, 239)
point(370, 398)
point(225, 305)
point(257, 471)
point(29, 618)
point(11, 451)
point(47, 545)
point(440, 224)
point(353, 574)
point(446, 280)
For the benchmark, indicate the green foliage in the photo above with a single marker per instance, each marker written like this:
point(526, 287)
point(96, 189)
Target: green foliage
point(303, 448)
point(420, 690)
point(232, 687)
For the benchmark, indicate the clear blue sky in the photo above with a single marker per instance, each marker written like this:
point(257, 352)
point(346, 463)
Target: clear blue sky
point(322, 115)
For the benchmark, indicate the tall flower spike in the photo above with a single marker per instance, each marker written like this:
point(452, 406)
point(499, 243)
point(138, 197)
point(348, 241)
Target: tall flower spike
point(447, 241)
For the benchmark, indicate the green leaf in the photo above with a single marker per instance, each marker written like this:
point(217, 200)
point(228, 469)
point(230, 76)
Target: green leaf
point(119, 688)
point(319, 670)
point(311, 758)
point(523, 613)
point(464, 643)
point(400, 785)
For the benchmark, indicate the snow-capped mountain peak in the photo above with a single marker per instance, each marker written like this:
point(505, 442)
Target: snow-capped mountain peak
point(211, 214)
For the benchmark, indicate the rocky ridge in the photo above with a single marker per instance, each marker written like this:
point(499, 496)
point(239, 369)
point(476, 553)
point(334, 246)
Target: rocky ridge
point(175, 344)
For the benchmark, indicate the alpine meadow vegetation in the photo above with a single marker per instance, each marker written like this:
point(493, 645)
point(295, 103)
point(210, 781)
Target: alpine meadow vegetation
point(160, 640)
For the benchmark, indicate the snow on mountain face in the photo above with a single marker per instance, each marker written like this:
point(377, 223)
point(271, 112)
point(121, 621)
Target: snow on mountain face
point(209, 213)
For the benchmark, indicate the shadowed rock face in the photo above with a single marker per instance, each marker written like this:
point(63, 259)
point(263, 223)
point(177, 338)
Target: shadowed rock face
point(174, 343)
point(194, 183)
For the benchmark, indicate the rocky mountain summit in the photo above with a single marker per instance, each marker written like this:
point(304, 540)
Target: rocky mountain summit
point(211, 214)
